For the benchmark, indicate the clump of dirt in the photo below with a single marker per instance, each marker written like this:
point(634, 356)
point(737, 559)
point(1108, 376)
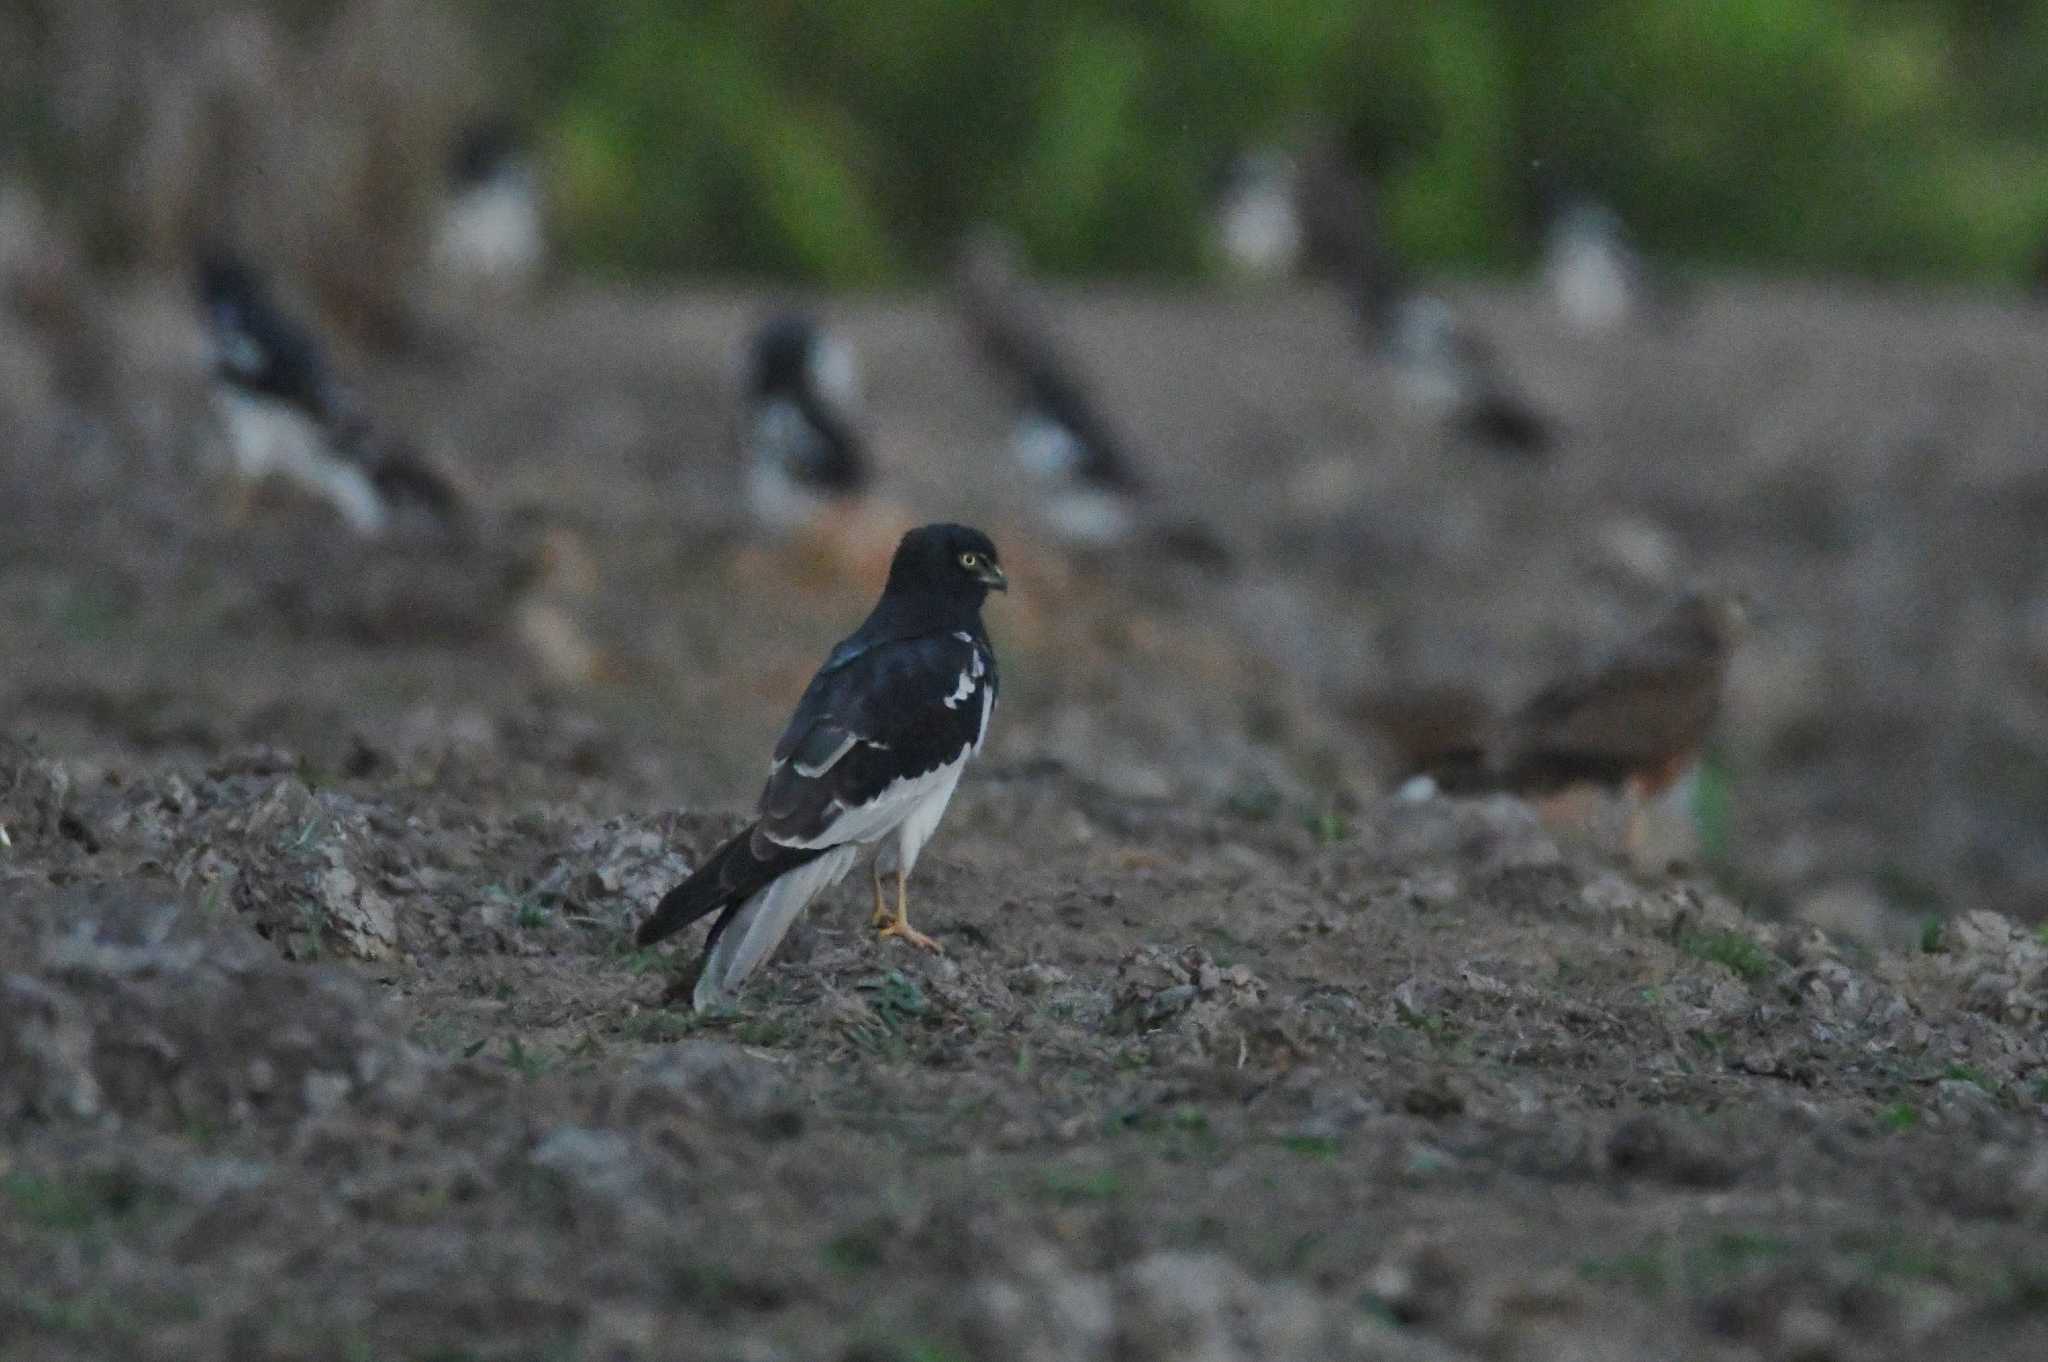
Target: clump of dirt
point(322, 1032)
point(126, 1004)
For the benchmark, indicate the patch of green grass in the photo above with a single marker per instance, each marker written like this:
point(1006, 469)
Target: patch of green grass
point(1706, 1264)
point(1075, 1186)
point(894, 997)
point(1440, 1029)
point(1933, 936)
point(892, 1350)
point(1899, 1117)
point(1968, 1073)
point(1254, 801)
point(1179, 1135)
point(1739, 954)
point(1328, 828)
point(1640, 1272)
point(526, 1063)
point(765, 1033)
point(1312, 1146)
point(856, 1251)
point(530, 916)
point(90, 1314)
point(70, 1205)
point(1713, 808)
point(660, 1026)
point(1735, 1251)
point(643, 959)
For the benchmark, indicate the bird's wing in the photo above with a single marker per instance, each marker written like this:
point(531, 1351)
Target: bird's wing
point(877, 726)
point(1644, 707)
point(1058, 395)
point(807, 437)
point(262, 350)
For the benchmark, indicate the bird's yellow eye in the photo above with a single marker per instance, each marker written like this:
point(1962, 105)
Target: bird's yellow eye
point(970, 560)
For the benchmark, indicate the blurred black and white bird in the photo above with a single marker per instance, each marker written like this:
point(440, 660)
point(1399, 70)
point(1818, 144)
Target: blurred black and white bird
point(871, 757)
point(799, 426)
point(492, 226)
point(1091, 493)
point(1596, 278)
point(1256, 214)
point(288, 417)
point(1446, 368)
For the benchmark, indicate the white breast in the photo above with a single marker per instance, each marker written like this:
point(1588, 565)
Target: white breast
point(269, 438)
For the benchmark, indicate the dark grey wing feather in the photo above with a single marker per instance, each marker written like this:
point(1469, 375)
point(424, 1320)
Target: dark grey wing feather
point(872, 717)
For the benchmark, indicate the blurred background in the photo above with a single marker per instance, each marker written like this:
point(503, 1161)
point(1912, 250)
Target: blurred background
point(1841, 410)
point(848, 143)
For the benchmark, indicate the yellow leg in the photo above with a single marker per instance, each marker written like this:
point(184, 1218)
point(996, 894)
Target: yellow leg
point(898, 923)
point(882, 917)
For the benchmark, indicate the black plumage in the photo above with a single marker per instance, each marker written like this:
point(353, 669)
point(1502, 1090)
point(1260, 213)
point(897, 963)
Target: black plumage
point(260, 350)
point(873, 752)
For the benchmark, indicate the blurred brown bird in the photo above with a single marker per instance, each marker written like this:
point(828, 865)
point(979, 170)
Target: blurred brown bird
point(1634, 723)
point(1637, 720)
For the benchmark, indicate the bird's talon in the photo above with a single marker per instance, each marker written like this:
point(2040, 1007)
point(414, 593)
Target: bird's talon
point(898, 927)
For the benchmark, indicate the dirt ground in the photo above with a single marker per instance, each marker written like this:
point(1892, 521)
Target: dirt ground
point(321, 1034)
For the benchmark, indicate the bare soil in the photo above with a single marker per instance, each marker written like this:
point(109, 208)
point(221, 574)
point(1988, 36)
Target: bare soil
point(321, 1035)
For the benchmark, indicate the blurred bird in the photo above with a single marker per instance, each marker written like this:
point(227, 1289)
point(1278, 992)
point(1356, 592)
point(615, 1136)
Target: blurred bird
point(1093, 496)
point(1637, 720)
point(491, 224)
point(1435, 738)
point(288, 417)
point(871, 756)
point(798, 427)
point(1634, 723)
point(1597, 278)
point(1444, 365)
point(1256, 214)
point(1447, 368)
point(1343, 239)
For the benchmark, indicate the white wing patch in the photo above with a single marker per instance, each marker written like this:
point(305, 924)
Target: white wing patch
point(270, 437)
point(761, 924)
point(988, 707)
point(876, 819)
point(965, 688)
point(831, 759)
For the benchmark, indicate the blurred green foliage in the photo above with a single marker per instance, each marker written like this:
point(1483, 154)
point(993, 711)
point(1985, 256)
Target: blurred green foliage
point(849, 142)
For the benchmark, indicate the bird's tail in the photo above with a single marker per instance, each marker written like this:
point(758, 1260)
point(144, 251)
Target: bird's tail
point(1504, 422)
point(405, 480)
point(749, 931)
point(1444, 733)
point(734, 873)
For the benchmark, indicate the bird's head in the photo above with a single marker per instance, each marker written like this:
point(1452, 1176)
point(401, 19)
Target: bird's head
point(951, 561)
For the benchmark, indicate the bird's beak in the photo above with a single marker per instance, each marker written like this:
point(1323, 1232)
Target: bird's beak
point(992, 577)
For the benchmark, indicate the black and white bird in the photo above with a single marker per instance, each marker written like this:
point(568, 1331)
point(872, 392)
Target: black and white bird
point(1092, 494)
point(492, 227)
point(1597, 279)
point(1446, 368)
point(800, 423)
point(871, 757)
point(288, 417)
